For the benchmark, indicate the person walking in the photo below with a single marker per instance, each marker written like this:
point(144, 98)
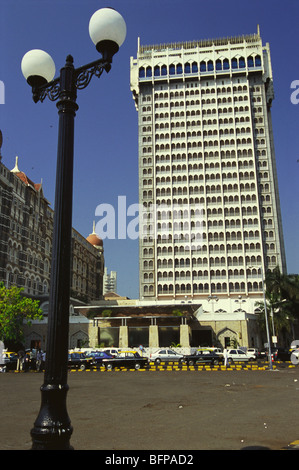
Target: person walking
point(2, 357)
point(21, 359)
point(43, 360)
point(225, 355)
point(39, 358)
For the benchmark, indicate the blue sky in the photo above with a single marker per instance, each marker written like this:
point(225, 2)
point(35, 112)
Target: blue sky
point(106, 143)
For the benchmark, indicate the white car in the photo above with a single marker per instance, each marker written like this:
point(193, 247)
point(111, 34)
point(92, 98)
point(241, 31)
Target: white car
point(236, 355)
point(295, 356)
point(252, 353)
point(214, 350)
point(112, 351)
point(166, 355)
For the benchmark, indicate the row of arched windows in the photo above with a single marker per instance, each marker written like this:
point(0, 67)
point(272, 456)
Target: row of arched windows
point(206, 288)
point(31, 283)
point(198, 133)
point(203, 91)
point(219, 65)
point(197, 275)
point(244, 153)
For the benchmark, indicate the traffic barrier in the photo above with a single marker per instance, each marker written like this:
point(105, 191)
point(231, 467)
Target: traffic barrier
point(164, 366)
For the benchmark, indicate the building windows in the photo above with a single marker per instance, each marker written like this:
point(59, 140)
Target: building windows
point(209, 150)
point(219, 65)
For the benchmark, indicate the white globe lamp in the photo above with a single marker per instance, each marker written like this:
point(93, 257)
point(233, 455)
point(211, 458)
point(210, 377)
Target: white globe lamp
point(38, 67)
point(107, 30)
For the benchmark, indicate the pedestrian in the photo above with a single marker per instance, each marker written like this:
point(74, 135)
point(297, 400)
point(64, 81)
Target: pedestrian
point(39, 358)
point(2, 357)
point(43, 360)
point(21, 359)
point(225, 355)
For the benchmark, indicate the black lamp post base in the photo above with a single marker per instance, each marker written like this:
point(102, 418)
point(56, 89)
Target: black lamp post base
point(52, 428)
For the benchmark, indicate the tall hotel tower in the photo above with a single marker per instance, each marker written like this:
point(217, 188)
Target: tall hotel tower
point(207, 174)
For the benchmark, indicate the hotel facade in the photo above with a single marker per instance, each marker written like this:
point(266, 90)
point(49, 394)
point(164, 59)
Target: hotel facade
point(211, 223)
point(206, 167)
point(26, 228)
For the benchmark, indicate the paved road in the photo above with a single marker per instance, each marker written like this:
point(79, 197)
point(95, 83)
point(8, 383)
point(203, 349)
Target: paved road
point(161, 410)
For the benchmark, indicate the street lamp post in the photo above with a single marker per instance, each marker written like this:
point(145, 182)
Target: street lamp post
point(266, 317)
point(272, 317)
point(273, 329)
point(266, 320)
point(52, 428)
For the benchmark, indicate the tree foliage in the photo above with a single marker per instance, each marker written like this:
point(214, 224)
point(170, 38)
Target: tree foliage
point(15, 310)
point(282, 300)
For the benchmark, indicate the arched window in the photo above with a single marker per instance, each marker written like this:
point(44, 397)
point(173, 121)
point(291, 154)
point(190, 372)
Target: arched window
point(241, 63)
point(163, 70)
point(258, 61)
point(225, 64)
point(194, 67)
point(148, 71)
point(218, 64)
point(179, 69)
point(187, 68)
point(157, 71)
point(234, 63)
point(203, 67)
point(171, 69)
point(250, 62)
point(210, 66)
point(141, 72)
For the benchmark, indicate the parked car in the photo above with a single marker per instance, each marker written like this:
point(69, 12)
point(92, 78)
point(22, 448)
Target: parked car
point(280, 354)
point(112, 351)
point(10, 360)
point(166, 355)
point(253, 353)
point(128, 359)
point(80, 360)
point(277, 354)
point(237, 355)
point(294, 355)
point(98, 356)
point(211, 349)
point(203, 357)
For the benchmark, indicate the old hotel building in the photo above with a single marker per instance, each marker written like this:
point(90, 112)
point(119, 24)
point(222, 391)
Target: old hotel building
point(26, 226)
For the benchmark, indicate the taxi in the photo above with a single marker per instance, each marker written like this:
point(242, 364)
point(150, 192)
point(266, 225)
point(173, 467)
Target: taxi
point(126, 359)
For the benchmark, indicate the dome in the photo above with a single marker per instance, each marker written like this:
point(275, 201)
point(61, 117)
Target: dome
point(94, 239)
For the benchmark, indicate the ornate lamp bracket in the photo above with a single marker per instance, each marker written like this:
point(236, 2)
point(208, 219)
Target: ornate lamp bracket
point(80, 79)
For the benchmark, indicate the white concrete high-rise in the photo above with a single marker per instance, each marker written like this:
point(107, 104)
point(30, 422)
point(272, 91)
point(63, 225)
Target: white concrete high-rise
point(207, 172)
point(109, 281)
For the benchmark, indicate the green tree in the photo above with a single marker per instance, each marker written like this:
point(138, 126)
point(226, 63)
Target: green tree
point(282, 300)
point(285, 287)
point(177, 312)
point(280, 309)
point(106, 313)
point(15, 310)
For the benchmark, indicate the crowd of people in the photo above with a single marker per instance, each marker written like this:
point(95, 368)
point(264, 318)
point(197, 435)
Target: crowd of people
point(23, 360)
point(31, 360)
